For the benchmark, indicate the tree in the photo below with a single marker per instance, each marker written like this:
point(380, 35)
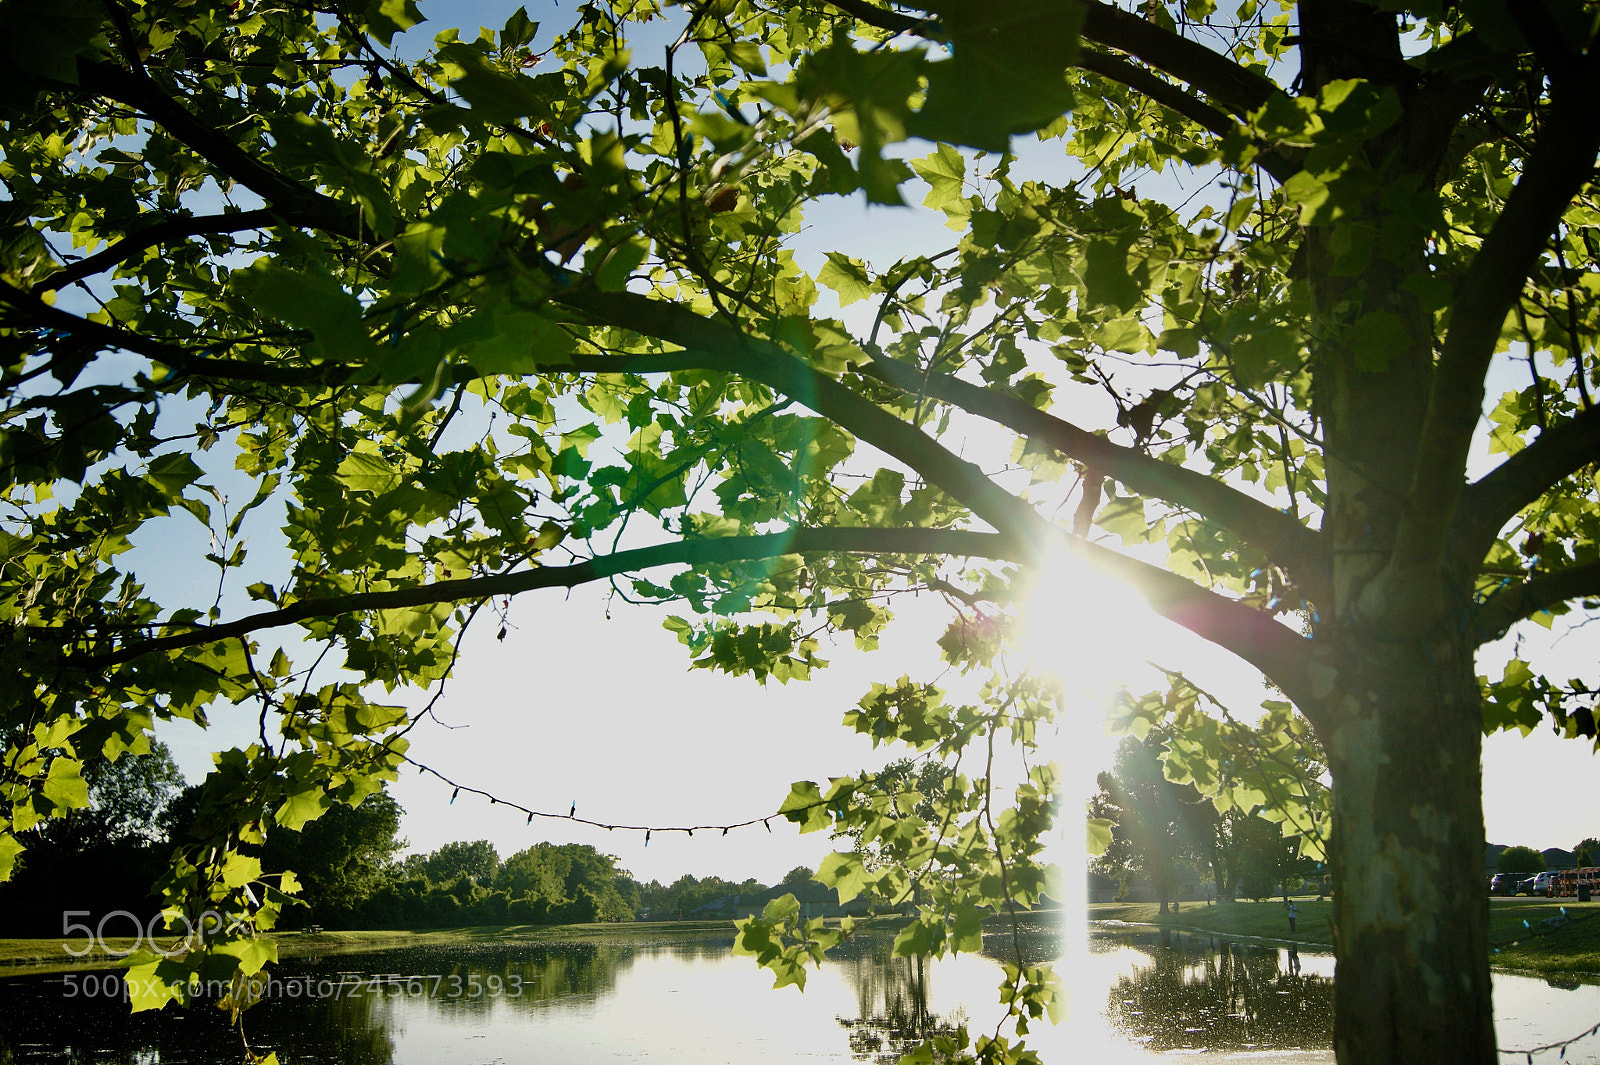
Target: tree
point(1158, 823)
point(102, 858)
point(797, 876)
point(477, 859)
point(1520, 861)
point(1277, 381)
point(128, 800)
point(1586, 851)
point(341, 859)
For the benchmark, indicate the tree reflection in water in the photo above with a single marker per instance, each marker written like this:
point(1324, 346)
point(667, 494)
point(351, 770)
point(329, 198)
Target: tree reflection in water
point(1209, 994)
point(892, 1013)
point(345, 1018)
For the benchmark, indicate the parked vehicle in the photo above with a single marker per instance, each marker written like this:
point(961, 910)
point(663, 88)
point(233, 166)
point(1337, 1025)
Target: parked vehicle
point(1538, 884)
point(1503, 884)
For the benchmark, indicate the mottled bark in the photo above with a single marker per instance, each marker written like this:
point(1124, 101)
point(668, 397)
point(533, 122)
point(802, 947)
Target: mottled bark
point(1409, 911)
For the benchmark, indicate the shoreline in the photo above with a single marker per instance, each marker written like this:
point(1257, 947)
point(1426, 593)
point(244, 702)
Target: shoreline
point(1525, 935)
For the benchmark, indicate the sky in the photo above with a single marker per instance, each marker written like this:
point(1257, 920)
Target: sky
point(589, 702)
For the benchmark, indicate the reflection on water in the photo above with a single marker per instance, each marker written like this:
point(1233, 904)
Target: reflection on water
point(1208, 994)
point(892, 1014)
point(687, 999)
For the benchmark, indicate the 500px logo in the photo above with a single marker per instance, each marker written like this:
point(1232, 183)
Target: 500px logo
point(144, 934)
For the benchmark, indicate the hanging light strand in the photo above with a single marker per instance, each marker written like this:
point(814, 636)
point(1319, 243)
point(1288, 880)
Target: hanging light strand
point(459, 789)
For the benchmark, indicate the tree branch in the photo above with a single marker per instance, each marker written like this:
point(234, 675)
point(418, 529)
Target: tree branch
point(1173, 97)
point(1220, 78)
point(719, 346)
point(312, 209)
point(1296, 547)
point(1494, 499)
point(883, 18)
point(1254, 637)
point(1541, 592)
point(1562, 163)
point(35, 313)
point(1560, 61)
point(682, 552)
point(155, 234)
point(1237, 89)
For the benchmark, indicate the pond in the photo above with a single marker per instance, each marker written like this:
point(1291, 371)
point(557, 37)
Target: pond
point(1137, 997)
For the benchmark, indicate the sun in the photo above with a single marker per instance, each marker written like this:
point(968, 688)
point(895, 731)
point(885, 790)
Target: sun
point(1088, 629)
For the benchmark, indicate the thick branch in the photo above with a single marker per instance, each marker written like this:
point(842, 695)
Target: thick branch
point(1254, 637)
point(1489, 503)
point(31, 312)
point(153, 235)
point(682, 552)
point(884, 19)
point(1542, 592)
point(1220, 78)
point(1296, 547)
point(1561, 164)
point(721, 347)
point(1559, 60)
point(1172, 96)
point(312, 209)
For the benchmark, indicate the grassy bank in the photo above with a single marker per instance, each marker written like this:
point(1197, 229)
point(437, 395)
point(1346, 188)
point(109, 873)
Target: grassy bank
point(1518, 933)
point(59, 955)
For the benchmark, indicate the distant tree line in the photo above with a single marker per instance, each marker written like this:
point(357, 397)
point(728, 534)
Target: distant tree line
point(102, 861)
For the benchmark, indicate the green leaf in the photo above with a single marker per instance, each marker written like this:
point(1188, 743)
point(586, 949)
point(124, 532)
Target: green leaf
point(1262, 355)
point(1099, 836)
point(845, 873)
point(1107, 277)
point(10, 848)
point(1006, 72)
point(314, 302)
point(804, 807)
point(307, 804)
point(747, 56)
point(1378, 338)
point(518, 343)
point(385, 18)
point(368, 471)
point(153, 981)
point(780, 909)
point(254, 953)
point(846, 276)
point(503, 97)
point(173, 472)
point(619, 264)
point(945, 171)
point(64, 785)
point(240, 869)
point(44, 41)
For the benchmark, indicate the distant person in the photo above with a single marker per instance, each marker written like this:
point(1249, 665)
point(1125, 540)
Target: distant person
point(1294, 958)
point(1294, 911)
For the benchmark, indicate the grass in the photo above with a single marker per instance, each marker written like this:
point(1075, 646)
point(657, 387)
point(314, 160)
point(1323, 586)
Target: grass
point(1569, 946)
point(51, 955)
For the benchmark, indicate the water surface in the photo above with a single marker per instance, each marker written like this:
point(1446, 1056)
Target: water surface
point(1137, 997)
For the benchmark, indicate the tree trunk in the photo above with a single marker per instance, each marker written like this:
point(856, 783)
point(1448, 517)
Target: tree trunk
point(1411, 917)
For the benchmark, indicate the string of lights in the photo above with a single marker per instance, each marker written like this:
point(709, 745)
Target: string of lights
point(458, 789)
point(1548, 927)
point(1562, 1046)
